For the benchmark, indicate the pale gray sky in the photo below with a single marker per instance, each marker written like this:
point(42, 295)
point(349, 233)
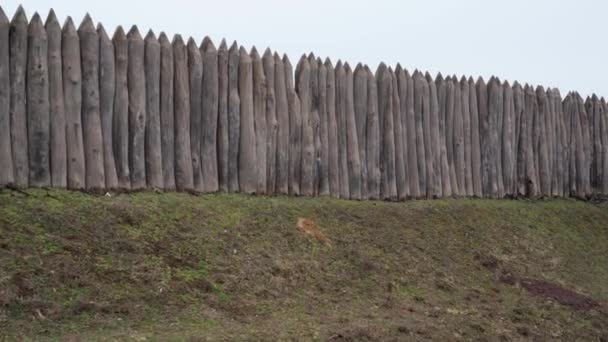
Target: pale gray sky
point(552, 43)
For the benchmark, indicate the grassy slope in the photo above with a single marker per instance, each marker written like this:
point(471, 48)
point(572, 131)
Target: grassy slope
point(183, 267)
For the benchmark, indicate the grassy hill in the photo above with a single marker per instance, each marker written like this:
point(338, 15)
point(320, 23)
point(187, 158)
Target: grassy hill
point(166, 266)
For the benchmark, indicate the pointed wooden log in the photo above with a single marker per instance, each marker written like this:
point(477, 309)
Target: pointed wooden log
point(565, 153)
point(559, 139)
point(426, 129)
point(466, 128)
point(551, 132)
point(184, 179)
point(323, 130)
point(282, 112)
point(38, 104)
point(270, 111)
point(295, 130)
point(450, 109)
point(315, 120)
point(120, 119)
point(107, 84)
point(412, 150)
point(153, 149)
point(435, 141)
point(419, 127)
point(586, 144)
point(195, 79)
point(495, 104)
point(6, 158)
point(234, 118)
point(72, 88)
point(484, 135)
point(352, 150)
point(223, 140)
point(91, 113)
point(18, 92)
point(388, 185)
point(522, 139)
point(332, 132)
point(56, 105)
point(373, 138)
point(402, 87)
point(475, 140)
point(209, 155)
point(360, 98)
point(136, 82)
point(303, 89)
point(604, 134)
point(167, 119)
point(499, 133)
point(400, 147)
point(259, 112)
point(247, 159)
point(508, 155)
point(444, 165)
point(458, 128)
point(530, 168)
point(537, 137)
point(598, 112)
point(543, 157)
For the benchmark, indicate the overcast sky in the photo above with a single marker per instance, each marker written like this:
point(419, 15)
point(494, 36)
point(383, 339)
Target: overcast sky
point(551, 43)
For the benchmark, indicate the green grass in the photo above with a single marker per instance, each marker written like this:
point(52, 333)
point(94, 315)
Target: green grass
point(169, 266)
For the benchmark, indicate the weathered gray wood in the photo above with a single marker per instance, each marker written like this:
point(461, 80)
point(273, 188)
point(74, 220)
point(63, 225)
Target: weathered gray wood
point(604, 133)
point(412, 150)
point(444, 165)
point(154, 162)
point(586, 144)
point(519, 105)
point(475, 140)
point(400, 147)
point(332, 132)
point(195, 78)
point(38, 104)
point(323, 132)
point(136, 82)
point(450, 115)
point(551, 133)
point(559, 138)
point(56, 107)
point(282, 112)
point(270, 159)
point(247, 159)
point(352, 145)
point(494, 107)
point(531, 186)
point(373, 137)
point(223, 137)
point(6, 158)
point(499, 131)
point(18, 115)
point(315, 120)
point(508, 155)
point(259, 110)
point(543, 156)
point(426, 129)
point(458, 141)
point(234, 118)
point(120, 120)
point(91, 115)
point(308, 148)
point(209, 142)
point(387, 144)
point(167, 119)
point(466, 128)
point(564, 132)
point(295, 130)
point(435, 145)
point(107, 84)
point(72, 89)
point(484, 136)
point(419, 128)
point(360, 98)
point(402, 88)
point(184, 179)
